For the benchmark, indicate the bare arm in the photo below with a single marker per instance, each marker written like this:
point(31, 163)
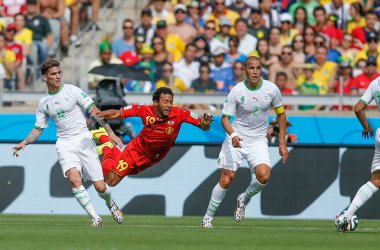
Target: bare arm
point(60, 9)
point(360, 114)
point(32, 137)
point(111, 114)
point(332, 80)
point(283, 150)
point(226, 123)
point(94, 111)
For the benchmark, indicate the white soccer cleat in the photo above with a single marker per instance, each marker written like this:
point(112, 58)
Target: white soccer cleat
point(239, 211)
point(117, 213)
point(341, 221)
point(97, 222)
point(207, 222)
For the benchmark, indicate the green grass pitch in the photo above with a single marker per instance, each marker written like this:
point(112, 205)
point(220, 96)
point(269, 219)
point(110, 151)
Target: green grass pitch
point(157, 232)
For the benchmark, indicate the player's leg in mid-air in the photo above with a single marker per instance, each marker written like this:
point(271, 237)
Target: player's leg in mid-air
point(257, 155)
point(365, 192)
point(82, 196)
point(106, 149)
point(92, 170)
point(71, 154)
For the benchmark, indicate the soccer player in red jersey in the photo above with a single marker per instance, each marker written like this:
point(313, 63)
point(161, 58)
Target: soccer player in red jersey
point(162, 123)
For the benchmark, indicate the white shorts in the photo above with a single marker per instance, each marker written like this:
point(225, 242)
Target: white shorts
point(80, 152)
point(376, 158)
point(255, 153)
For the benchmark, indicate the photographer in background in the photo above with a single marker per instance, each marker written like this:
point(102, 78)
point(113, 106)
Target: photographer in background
point(273, 133)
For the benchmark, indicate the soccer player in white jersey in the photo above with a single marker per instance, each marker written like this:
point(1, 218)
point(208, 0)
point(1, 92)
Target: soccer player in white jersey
point(76, 150)
point(366, 191)
point(250, 101)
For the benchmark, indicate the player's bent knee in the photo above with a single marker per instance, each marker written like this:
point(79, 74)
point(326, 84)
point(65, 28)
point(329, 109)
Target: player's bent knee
point(263, 173)
point(226, 178)
point(100, 186)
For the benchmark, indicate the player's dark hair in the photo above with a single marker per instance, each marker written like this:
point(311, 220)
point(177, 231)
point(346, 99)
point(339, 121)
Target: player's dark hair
point(162, 90)
point(50, 63)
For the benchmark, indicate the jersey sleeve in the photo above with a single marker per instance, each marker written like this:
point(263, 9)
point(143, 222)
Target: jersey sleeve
point(82, 98)
point(42, 118)
point(191, 117)
point(277, 100)
point(229, 105)
point(369, 94)
point(131, 110)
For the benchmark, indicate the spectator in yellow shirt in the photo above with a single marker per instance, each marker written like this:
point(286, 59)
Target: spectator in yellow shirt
point(23, 35)
point(169, 80)
point(220, 11)
point(287, 32)
point(174, 44)
point(325, 72)
point(8, 60)
point(358, 19)
point(159, 12)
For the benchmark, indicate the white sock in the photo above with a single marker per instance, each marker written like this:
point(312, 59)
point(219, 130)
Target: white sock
point(84, 200)
point(362, 196)
point(217, 196)
point(106, 196)
point(254, 188)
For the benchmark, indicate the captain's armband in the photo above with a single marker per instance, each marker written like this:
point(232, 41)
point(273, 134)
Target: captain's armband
point(279, 110)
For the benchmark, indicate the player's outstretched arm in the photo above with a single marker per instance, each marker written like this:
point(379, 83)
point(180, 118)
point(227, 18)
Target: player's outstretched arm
point(32, 137)
point(205, 123)
point(96, 114)
point(360, 114)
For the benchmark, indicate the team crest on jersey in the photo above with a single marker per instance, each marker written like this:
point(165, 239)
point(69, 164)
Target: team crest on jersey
point(169, 130)
point(226, 100)
point(242, 99)
point(195, 116)
point(170, 122)
point(84, 95)
point(127, 107)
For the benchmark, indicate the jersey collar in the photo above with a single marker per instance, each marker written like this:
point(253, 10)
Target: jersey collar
point(253, 89)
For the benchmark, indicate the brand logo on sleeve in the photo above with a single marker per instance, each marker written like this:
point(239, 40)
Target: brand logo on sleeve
point(195, 116)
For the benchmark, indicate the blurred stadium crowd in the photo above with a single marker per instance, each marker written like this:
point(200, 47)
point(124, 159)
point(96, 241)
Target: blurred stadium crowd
point(306, 46)
point(33, 30)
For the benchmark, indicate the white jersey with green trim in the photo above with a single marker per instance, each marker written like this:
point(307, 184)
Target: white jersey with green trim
point(372, 92)
point(251, 108)
point(66, 108)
